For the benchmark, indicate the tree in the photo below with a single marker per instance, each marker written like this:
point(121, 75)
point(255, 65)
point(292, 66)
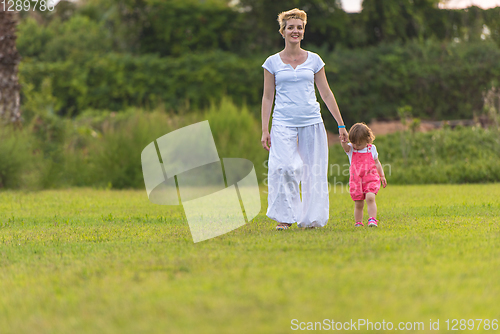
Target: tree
point(329, 24)
point(9, 59)
point(389, 20)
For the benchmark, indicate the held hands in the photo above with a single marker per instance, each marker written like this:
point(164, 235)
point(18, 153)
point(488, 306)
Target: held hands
point(266, 140)
point(343, 135)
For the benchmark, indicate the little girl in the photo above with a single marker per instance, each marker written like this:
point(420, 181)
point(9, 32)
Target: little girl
point(365, 172)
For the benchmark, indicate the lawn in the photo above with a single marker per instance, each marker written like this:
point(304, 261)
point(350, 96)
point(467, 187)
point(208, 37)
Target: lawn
point(98, 261)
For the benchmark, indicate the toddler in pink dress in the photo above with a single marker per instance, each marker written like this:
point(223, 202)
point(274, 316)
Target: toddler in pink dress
point(365, 171)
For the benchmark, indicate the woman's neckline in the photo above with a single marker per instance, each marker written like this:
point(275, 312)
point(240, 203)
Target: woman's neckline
point(294, 68)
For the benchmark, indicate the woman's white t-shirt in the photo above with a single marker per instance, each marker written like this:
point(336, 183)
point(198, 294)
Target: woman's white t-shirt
point(295, 103)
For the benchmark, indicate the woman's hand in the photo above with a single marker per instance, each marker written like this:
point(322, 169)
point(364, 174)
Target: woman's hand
point(266, 140)
point(343, 135)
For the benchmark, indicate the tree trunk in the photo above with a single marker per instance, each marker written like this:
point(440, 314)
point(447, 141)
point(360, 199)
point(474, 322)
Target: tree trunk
point(9, 59)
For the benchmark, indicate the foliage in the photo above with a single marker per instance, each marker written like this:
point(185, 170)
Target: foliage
point(460, 155)
point(16, 157)
point(237, 134)
point(172, 28)
point(401, 21)
point(62, 40)
point(175, 28)
point(187, 54)
point(438, 81)
point(329, 24)
point(162, 27)
point(103, 149)
point(115, 157)
point(116, 81)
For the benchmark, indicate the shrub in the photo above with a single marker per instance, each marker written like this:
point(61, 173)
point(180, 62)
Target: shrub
point(118, 81)
point(16, 158)
point(237, 134)
point(114, 157)
point(461, 155)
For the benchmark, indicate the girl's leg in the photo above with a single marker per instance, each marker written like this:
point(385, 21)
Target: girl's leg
point(358, 210)
point(371, 205)
point(313, 149)
point(284, 169)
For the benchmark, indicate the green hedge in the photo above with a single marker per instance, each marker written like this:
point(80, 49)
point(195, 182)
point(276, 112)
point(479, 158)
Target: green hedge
point(439, 81)
point(116, 81)
point(460, 155)
point(184, 54)
point(103, 149)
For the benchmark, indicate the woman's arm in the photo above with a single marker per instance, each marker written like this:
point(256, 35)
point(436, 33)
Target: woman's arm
point(380, 171)
point(267, 103)
point(329, 99)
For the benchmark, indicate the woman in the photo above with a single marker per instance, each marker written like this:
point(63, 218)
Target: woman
point(297, 145)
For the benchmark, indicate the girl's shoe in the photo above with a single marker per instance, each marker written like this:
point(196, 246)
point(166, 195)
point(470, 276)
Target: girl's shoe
point(283, 226)
point(359, 224)
point(372, 222)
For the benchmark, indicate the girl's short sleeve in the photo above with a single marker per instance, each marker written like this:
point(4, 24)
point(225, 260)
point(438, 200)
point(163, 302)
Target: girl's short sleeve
point(268, 65)
point(349, 154)
point(374, 152)
point(318, 64)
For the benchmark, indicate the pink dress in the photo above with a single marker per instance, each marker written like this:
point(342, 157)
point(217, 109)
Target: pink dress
point(364, 176)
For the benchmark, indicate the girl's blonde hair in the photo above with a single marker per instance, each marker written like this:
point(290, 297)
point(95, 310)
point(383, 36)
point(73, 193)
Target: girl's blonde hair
point(295, 13)
point(361, 132)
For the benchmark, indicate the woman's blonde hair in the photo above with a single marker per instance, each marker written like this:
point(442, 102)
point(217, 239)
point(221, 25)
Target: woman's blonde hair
point(295, 13)
point(361, 132)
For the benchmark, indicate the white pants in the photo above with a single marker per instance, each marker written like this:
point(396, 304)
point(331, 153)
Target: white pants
point(298, 155)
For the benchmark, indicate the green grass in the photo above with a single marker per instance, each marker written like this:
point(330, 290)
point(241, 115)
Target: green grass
point(97, 261)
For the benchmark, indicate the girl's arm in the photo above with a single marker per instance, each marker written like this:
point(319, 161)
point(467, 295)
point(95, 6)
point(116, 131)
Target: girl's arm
point(346, 147)
point(329, 99)
point(380, 171)
point(267, 103)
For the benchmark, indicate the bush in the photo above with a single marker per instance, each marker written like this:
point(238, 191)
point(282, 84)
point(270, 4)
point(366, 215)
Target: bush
point(62, 40)
point(118, 81)
point(114, 156)
point(237, 134)
point(461, 155)
point(103, 149)
point(439, 81)
point(16, 158)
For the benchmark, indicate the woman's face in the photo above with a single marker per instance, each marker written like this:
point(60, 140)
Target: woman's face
point(294, 30)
